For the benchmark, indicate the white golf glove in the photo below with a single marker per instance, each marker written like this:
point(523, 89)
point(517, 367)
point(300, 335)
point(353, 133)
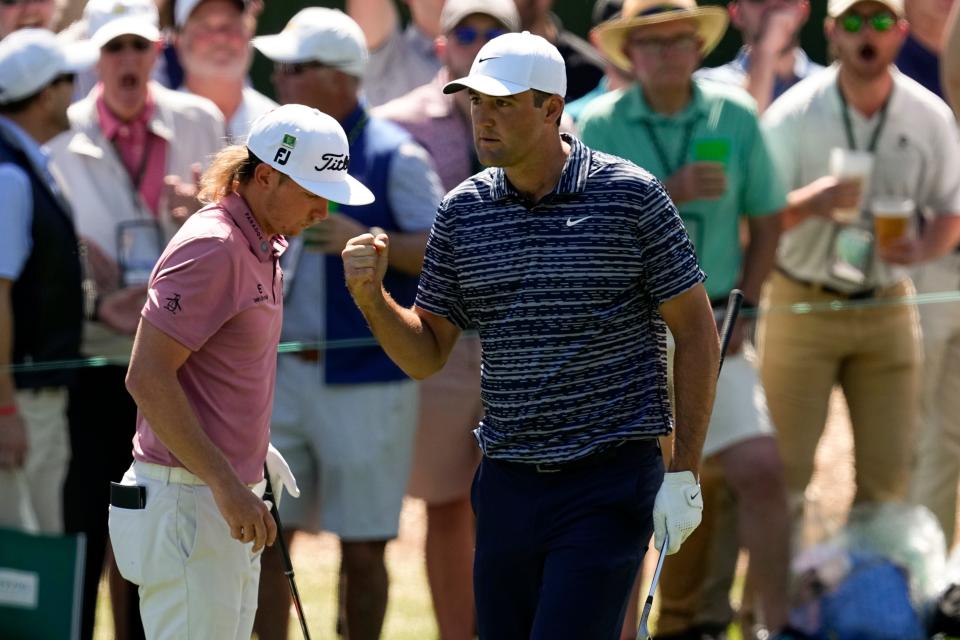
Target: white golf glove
point(280, 475)
point(677, 509)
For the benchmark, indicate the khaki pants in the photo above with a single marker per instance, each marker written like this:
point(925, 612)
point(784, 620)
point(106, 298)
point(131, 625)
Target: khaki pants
point(873, 353)
point(37, 488)
point(936, 470)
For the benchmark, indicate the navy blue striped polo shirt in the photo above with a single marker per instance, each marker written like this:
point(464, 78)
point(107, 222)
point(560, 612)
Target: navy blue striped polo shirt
point(565, 298)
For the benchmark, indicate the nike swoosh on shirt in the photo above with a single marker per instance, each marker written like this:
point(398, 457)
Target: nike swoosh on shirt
point(570, 222)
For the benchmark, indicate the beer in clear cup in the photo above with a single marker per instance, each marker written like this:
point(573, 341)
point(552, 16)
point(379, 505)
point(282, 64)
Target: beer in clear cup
point(846, 164)
point(892, 218)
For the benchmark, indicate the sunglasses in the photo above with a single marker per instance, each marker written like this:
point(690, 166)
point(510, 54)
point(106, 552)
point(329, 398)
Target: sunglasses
point(879, 22)
point(468, 35)
point(17, 3)
point(117, 45)
point(65, 77)
point(296, 68)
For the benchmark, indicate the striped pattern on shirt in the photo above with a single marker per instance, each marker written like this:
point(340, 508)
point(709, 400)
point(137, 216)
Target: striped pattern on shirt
point(565, 298)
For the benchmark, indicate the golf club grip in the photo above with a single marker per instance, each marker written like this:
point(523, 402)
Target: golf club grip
point(734, 302)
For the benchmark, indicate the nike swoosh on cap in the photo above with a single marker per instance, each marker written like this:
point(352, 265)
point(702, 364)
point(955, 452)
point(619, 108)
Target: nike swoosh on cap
point(490, 58)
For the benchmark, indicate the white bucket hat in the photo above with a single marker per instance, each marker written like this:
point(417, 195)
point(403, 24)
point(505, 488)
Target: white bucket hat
point(310, 148)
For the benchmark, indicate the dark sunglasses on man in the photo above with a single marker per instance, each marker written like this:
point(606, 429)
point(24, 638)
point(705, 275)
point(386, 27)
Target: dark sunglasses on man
point(119, 44)
point(468, 35)
point(879, 22)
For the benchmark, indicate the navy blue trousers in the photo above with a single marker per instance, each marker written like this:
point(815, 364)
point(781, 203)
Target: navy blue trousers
point(557, 553)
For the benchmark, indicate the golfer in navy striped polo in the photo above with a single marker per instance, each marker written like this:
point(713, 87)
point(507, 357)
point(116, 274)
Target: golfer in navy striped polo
point(571, 264)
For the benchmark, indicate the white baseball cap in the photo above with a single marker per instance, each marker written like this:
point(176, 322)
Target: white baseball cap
point(311, 148)
point(503, 11)
point(108, 19)
point(316, 33)
point(513, 63)
point(183, 8)
point(30, 59)
point(836, 8)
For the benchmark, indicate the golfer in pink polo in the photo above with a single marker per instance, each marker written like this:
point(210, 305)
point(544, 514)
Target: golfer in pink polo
point(187, 523)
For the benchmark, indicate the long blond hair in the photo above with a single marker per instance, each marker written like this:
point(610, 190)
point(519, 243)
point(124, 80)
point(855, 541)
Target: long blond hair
point(232, 166)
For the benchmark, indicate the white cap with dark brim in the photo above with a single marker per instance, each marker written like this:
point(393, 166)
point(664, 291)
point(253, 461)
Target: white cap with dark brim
point(310, 148)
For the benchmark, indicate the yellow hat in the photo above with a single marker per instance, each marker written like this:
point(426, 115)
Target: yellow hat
point(711, 24)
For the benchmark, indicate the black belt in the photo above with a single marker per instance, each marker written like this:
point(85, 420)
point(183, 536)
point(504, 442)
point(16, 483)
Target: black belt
point(589, 461)
point(863, 294)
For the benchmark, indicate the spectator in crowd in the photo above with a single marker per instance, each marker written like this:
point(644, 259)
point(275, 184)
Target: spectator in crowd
point(920, 56)
point(770, 60)
point(213, 44)
point(829, 253)
point(129, 134)
point(188, 521)
point(703, 141)
point(559, 536)
point(613, 76)
point(25, 14)
point(41, 301)
point(400, 60)
point(584, 64)
point(936, 470)
point(345, 418)
point(446, 452)
point(950, 67)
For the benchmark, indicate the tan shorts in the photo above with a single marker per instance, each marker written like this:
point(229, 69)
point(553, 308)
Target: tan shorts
point(446, 453)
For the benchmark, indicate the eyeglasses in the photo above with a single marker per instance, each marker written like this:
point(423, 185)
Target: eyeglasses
point(119, 44)
point(658, 46)
point(879, 22)
point(468, 35)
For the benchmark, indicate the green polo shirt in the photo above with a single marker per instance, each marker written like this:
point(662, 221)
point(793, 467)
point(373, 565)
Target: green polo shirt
point(719, 123)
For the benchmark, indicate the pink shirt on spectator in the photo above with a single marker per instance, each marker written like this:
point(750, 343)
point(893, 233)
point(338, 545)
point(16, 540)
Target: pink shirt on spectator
point(218, 290)
point(132, 139)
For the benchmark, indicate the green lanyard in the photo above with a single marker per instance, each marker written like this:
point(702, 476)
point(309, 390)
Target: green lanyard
point(848, 124)
point(668, 167)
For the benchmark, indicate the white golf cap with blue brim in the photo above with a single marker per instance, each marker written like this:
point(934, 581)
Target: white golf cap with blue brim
point(514, 63)
point(310, 148)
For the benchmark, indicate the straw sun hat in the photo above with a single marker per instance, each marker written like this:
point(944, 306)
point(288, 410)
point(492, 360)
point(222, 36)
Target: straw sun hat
point(711, 24)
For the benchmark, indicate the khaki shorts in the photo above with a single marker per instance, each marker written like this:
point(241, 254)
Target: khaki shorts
point(349, 446)
point(739, 407)
point(446, 453)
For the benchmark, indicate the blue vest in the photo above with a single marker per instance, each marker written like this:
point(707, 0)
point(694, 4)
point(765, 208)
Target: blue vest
point(373, 146)
point(47, 295)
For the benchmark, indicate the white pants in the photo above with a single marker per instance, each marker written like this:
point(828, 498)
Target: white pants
point(936, 471)
point(196, 582)
point(32, 497)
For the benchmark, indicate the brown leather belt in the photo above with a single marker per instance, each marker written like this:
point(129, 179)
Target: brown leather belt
point(309, 355)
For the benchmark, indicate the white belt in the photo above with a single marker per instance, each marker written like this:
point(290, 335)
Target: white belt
point(179, 475)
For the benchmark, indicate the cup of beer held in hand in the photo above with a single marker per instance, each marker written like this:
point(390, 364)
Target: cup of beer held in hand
point(847, 164)
point(892, 219)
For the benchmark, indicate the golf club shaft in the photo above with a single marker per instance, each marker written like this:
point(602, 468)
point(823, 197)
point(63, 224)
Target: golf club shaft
point(734, 302)
point(285, 554)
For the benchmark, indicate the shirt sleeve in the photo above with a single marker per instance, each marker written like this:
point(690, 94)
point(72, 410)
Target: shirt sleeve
point(669, 262)
point(762, 191)
point(192, 292)
point(439, 288)
point(779, 129)
point(16, 241)
point(413, 188)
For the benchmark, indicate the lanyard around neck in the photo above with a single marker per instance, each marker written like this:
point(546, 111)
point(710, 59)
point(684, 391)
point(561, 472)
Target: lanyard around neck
point(668, 167)
point(848, 123)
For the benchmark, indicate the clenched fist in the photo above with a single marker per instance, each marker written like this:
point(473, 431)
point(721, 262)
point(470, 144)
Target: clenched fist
point(364, 265)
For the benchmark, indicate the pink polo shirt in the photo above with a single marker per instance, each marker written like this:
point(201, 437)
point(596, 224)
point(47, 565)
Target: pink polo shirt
point(132, 139)
point(218, 290)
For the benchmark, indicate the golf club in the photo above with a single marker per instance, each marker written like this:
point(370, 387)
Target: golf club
point(730, 317)
point(287, 565)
